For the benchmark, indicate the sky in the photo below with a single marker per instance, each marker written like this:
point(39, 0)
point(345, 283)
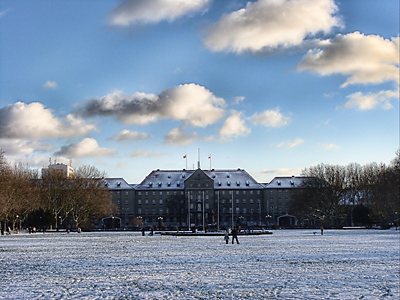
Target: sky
point(130, 86)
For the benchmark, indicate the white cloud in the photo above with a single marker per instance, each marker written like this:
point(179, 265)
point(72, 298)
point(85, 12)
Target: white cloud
point(271, 24)
point(50, 85)
point(152, 11)
point(126, 134)
point(330, 147)
point(178, 136)
point(191, 103)
point(234, 126)
point(21, 120)
point(291, 144)
point(88, 147)
point(370, 101)
point(270, 118)
point(365, 58)
point(238, 100)
point(23, 146)
point(282, 171)
point(144, 153)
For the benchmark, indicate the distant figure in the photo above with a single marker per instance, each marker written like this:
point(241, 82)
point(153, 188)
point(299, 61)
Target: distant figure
point(151, 231)
point(226, 237)
point(314, 232)
point(322, 230)
point(79, 230)
point(143, 232)
point(234, 235)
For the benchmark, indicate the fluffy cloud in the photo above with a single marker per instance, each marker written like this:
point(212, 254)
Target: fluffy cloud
point(366, 58)
point(234, 126)
point(21, 120)
point(23, 146)
point(179, 136)
point(125, 135)
point(270, 118)
point(153, 11)
point(88, 147)
point(291, 144)
point(271, 24)
point(191, 103)
point(50, 85)
point(372, 100)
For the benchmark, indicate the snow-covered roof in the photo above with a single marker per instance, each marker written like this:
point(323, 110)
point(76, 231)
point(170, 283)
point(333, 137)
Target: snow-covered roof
point(285, 182)
point(175, 179)
point(117, 184)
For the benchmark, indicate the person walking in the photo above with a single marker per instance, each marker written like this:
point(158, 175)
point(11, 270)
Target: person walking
point(234, 235)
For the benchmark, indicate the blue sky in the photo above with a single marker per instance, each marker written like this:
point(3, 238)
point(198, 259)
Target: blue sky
point(271, 86)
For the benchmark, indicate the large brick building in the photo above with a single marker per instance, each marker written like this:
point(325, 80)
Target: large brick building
point(203, 198)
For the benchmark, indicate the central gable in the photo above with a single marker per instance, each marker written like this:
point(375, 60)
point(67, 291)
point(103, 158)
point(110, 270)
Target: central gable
point(199, 179)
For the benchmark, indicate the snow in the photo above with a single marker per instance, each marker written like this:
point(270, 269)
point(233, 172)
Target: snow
point(289, 264)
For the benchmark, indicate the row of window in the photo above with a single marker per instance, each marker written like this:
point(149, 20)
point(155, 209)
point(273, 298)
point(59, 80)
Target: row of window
point(223, 211)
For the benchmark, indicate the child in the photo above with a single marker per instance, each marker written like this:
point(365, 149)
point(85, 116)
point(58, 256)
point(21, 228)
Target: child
point(226, 237)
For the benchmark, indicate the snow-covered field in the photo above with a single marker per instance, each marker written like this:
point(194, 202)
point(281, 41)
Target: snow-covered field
point(292, 264)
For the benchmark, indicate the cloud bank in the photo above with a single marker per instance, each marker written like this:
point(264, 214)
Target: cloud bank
point(152, 11)
point(21, 120)
point(191, 103)
point(271, 24)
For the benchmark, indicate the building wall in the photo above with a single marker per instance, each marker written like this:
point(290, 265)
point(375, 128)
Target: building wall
point(169, 198)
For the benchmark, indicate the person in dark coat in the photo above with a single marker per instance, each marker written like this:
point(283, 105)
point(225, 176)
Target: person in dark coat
point(234, 235)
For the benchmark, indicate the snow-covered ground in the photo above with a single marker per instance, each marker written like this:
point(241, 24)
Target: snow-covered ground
point(289, 264)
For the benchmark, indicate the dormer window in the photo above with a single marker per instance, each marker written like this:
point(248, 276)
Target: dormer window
point(150, 184)
point(238, 183)
point(291, 182)
point(159, 183)
point(219, 183)
point(178, 183)
point(229, 183)
point(169, 183)
point(119, 183)
point(279, 182)
point(247, 183)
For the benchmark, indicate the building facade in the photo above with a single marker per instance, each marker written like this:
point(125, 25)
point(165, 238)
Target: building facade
point(203, 198)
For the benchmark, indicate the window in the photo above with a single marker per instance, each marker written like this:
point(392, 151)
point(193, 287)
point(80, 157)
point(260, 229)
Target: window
point(154, 201)
point(126, 193)
point(126, 202)
point(237, 210)
point(146, 193)
point(139, 210)
point(160, 201)
point(244, 192)
point(160, 193)
point(237, 201)
point(237, 192)
point(146, 201)
point(139, 193)
point(258, 192)
point(139, 201)
point(154, 193)
point(251, 192)
point(251, 201)
point(272, 191)
point(161, 211)
point(244, 210)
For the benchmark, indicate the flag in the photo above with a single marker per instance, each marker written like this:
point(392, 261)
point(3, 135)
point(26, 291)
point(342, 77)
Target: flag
point(184, 156)
point(209, 157)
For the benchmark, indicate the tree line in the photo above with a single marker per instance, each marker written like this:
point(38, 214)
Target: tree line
point(52, 199)
point(351, 195)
